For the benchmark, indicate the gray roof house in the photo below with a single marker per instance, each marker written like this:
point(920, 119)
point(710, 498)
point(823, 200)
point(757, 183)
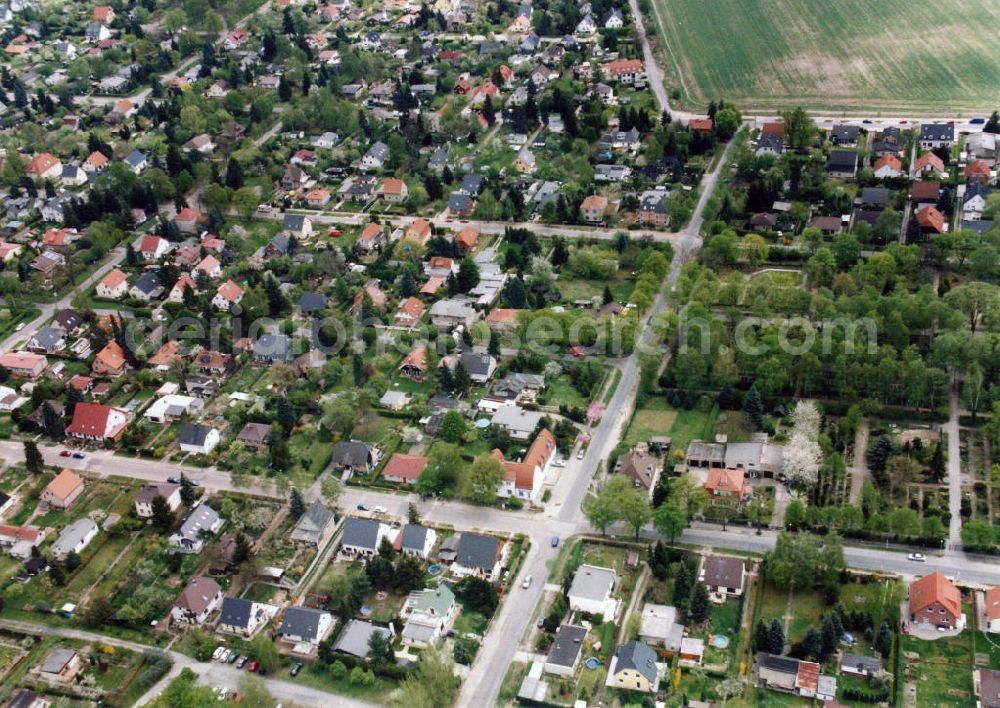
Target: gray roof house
point(147, 287)
point(517, 421)
point(353, 457)
point(417, 540)
point(243, 617)
point(305, 625)
point(591, 589)
point(272, 348)
point(74, 538)
point(202, 520)
point(354, 638)
point(564, 655)
point(633, 658)
point(375, 157)
point(314, 524)
point(478, 555)
point(362, 537)
point(46, 340)
point(311, 303)
point(198, 439)
point(479, 365)
point(860, 665)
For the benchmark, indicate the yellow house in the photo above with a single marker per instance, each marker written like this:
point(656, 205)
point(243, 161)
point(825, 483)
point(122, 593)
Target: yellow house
point(634, 668)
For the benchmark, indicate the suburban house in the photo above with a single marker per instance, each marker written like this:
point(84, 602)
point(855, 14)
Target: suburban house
point(448, 314)
point(633, 667)
point(520, 423)
point(361, 538)
point(936, 602)
point(723, 575)
point(113, 286)
point(17, 541)
point(74, 538)
point(525, 479)
point(171, 494)
point(110, 361)
point(403, 469)
point(227, 295)
point(660, 627)
point(97, 422)
point(759, 456)
point(297, 226)
point(394, 190)
point(567, 647)
point(243, 617)
point(801, 678)
point(859, 665)
point(255, 436)
point(592, 591)
point(352, 457)
point(842, 163)
point(61, 666)
point(315, 525)
point(991, 608)
point(937, 135)
point(305, 626)
point(728, 484)
point(593, 209)
point(24, 365)
point(928, 163)
point(409, 313)
point(888, 167)
point(641, 467)
point(197, 601)
point(198, 439)
point(480, 556)
point(415, 540)
point(63, 490)
point(986, 686)
point(202, 521)
point(372, 237)
point(431, 614)
point(355, 636)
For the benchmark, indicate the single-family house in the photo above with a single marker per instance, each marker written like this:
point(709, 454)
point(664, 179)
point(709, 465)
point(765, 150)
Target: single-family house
point(723, 575)
point(74, 538)
point(403, 469)
point(356, 635)
point(936, 602)
point(480, 556)
point(361, 538)
point(199, 599)
point(315, 525)
point(430, 615)
point(64, 489)
point(97, 422)
point(592, 591)
point(113, 286)
point(304, 625)
point(633, 667)
point(353, 457)
point(171, 494)
point(243, 617)
point(567, 648)
point(198, 439)
point(190, 535)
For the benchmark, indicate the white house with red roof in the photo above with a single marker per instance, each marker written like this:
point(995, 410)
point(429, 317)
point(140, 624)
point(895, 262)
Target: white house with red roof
point(113, 286)
point(153, 247)
point(95, 162)
point(404, 469)
point(97, 422)
point(177, 292)
point(525, 479)
point(187, 220)
point(228, 294)
point(24, 365)
point(210, 267)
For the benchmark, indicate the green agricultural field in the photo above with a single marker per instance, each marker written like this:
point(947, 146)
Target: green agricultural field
point(930, 56)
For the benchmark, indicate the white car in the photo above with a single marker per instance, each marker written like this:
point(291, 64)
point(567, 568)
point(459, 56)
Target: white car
point(217, 653)
point(20, 326)
point(918, 557)
point(381, 510)
point(526, 583)
point(559, 463)
point(581, 453)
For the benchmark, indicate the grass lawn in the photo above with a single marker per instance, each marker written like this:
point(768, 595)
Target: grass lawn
point(604, 557)
point(807, 608)
point(317, 675)
point(786, 53)
point(881, 599)
point(11, 478)
point(578, 289)
point(692, 425)
point(988, 644)
point(648, 422)
point(560, 391)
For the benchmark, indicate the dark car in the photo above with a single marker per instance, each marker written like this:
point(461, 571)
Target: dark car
point(233, 658)
point(78, 455)
point(362, 507)
point(296, 669)
point(261, 671)
point(173, 480)
point(555, 541)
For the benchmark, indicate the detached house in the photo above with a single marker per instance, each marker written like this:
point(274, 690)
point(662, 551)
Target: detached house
point(403, 469)
point(63, 490)
point(409, 313)
point(361, 538)
point(526, 478)
point(97, 422)
point(936, 602)
point(199, 599)
point(201, 522)
point(634, 667)
point(593, 209)
point(722, 575)
point(937, 135)
point(305, 626)
point(372, 237)
point(227, 295)
point(353, 457)
point(480, 556)
point(171, 494)
point(24, 365)
point(198, 439)
point(315, 525)
point(243, 617)
point(110, 361)
point(592, 591)
point(113, 286)
point(432, 613)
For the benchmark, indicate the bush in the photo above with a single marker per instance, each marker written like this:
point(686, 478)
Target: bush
point(338, 670)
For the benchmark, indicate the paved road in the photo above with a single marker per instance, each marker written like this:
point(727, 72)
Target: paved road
point(954, 473)
point(211, 674)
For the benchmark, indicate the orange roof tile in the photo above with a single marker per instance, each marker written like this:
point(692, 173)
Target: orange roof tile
point(64, 484)
point(935, 588)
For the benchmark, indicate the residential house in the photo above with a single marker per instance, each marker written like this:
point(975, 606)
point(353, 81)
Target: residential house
point(113, 286)
point(403, 469)
point(592, 591)
point(199, 599)
point(927, 164)
point(466, 238)
point(272, 349)
point(110, 361)
point(172, 407)
point(153, 248)
point(74, 538)
point(888, 167)
point(372, 237)
point(845, 135)
point(802, 678)
point(97, 422)
point(136, 162)
point(318, 198)
point(660, 627)
point(95, 162)
point(147, 287)
point(177, 291)
point(298, 226)
point(24, 365)
point(419, 230)
point(256, 436)
point(502, 319)
point(626, 71)
point(18, 541)
point(415, 540)
point(723, 575)
point(937, 135)
point(858, 665)
point(842, 163)
point(641, 467)
point(375, 157)
point(449, 314)
point(525, 479)
point(974, 202)
point(564, 655)
point(978, 172)
point(305, 626)
point(47, 340)
point(243, 617)
point(394, 190)
point(61, 666)
point(518, 422)
point(200, 143)
point(315, 525)
point(479, 556)
point(198, 439)
point(227, 295)
point(312, 304)
point(593, 209)
point(187, 220)
point(170, 493)
point(356, 635)
point(190, 535)
point(634, 668)
point(352, 457)
point(460, 205)
point(986, 686)
point(936, 602)
point(64, 489)
point(44, 166)
point(478, 365)
point(430, 615)
point(361, 538)
point(932, 221)
point(728, 484)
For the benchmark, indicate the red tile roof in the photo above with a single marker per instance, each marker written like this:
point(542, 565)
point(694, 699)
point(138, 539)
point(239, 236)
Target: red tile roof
point(935, 588)
point(403, 466)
